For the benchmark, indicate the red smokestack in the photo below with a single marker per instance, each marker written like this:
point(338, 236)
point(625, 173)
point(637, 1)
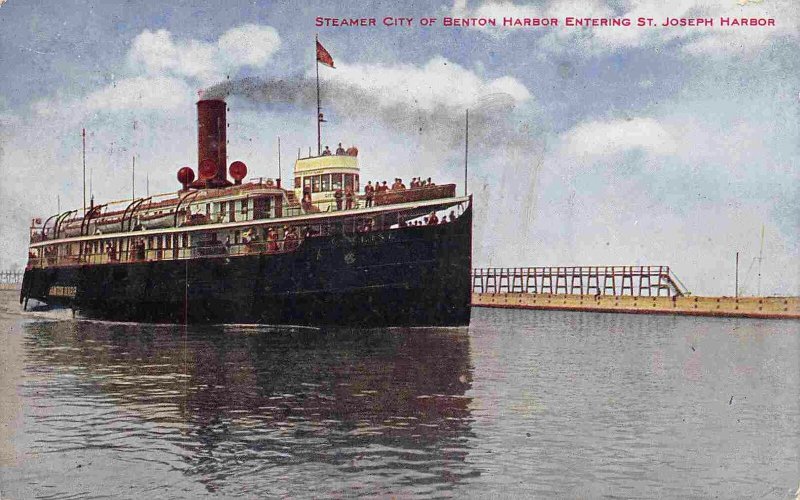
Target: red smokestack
point(211, 140)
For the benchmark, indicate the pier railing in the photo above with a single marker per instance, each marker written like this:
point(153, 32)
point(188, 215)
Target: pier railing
point(579, 280)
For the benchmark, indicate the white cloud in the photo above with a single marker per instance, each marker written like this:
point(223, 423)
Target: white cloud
point(714, 40)
point(600, 138)
point(438, 83)
point(156, 52)
point(249, 45)
point(141, 92)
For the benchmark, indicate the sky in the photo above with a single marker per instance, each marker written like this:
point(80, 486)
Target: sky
point(588, 146)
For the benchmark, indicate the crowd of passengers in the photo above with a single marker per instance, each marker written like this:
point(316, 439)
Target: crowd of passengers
point(346, 198)
point(271, 242)
point(340, 151)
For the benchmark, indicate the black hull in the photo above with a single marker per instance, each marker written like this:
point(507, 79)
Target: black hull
point(415, 276)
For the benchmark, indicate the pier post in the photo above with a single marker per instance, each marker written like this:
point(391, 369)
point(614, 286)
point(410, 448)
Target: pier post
point(577, 277)
point(561, 279)
point(530, 280)
point(627, 280)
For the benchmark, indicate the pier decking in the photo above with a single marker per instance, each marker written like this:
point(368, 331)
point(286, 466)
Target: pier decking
point(747, 307)
point(621, 289)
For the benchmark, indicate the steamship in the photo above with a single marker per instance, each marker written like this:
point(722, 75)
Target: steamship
point(225, 250)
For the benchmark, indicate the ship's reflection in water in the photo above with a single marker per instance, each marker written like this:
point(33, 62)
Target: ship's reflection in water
point(259, 411)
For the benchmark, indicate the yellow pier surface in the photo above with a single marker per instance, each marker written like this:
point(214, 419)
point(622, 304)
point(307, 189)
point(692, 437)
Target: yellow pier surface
point(747, 307)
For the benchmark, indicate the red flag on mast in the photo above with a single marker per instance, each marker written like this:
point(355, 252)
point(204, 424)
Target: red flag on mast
point(323, 56)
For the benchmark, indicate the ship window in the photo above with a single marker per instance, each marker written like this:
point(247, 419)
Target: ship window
point(315, 184)
point(237, 237)
point(348, 181)
point(297, 182)
point(185, 239)
point(244, 207)
point(336, 181)
point(355, 186)
point(208, 209)
point(306, 182)
point(260, 209)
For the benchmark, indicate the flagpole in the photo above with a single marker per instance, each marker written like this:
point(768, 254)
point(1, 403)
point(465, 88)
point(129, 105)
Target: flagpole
point(319, 107)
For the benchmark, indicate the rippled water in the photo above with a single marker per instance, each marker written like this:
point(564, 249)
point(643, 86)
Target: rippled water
point(521, 404)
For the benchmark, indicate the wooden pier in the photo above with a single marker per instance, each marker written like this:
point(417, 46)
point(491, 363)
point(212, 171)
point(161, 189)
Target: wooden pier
point(10, 280)
point(621, 289)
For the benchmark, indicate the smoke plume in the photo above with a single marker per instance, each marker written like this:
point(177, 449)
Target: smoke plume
point(494, 117)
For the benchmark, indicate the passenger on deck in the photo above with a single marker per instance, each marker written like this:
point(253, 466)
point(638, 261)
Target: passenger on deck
point(337, 194)
point(305, 203)
point(444, 220)
point(291, 240)
point(382, 188)
point(140, 250)
point(327, 151)
point(227, 244)
point(349, 196)
point(340, 150)
point(452, 216)
point(433, 219)
point(253, 241)
point(369, 193)
point(352, 151)
point(430, 182)
point(415, 183)
point(272, 241)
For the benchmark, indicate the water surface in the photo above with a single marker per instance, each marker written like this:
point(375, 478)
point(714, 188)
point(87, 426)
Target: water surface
point(520, 404)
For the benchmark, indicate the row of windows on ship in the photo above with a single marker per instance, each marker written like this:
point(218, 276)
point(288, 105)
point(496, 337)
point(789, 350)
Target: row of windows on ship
point(274, 239)
point(327, 182)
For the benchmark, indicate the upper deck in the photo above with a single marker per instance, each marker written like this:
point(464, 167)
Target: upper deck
point(281, 234)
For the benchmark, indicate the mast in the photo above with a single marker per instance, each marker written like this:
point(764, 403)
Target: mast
point(737, 275)
point(279, 161)
point(760, 258)
point(466, 153)
point(83, 135)
point(319, 107)
point(133, 179)
point(133, 167)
